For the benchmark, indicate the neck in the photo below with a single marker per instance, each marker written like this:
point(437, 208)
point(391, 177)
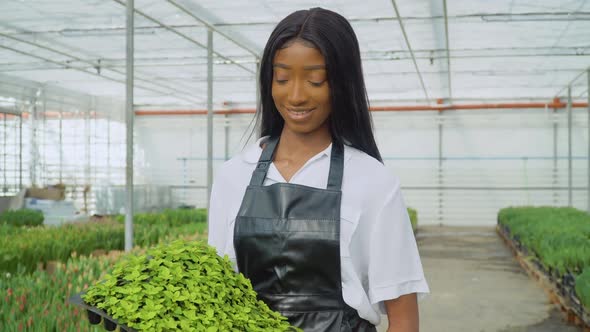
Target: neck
point(295, 146)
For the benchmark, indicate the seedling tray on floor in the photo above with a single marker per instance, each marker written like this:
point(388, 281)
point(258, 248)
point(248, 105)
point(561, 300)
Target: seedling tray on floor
point(559, 288)
point(96, 315)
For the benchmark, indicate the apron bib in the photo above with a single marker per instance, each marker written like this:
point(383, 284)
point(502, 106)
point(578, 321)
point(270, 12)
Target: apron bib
point(287, 242)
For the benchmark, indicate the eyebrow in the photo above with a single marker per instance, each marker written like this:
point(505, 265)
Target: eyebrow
point(313, 67)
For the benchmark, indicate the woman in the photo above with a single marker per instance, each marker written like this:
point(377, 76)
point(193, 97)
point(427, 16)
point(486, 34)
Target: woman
point(309, 213)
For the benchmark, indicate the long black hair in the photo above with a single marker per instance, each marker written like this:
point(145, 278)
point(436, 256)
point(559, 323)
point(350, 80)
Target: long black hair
point(330, 33)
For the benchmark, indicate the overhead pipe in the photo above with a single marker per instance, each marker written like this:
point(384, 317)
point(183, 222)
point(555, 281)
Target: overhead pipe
point(398, 108)
point(47, 114)
point(410, 108)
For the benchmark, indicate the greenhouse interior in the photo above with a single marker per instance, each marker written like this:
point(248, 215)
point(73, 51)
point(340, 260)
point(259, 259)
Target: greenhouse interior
point(116, 116)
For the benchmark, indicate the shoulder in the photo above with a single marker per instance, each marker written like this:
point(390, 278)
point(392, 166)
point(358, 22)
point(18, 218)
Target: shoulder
point(238, 168)
point(368, 172)
point(367, 184)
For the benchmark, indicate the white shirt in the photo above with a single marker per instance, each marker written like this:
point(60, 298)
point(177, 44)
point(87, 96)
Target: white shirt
point(379, 255)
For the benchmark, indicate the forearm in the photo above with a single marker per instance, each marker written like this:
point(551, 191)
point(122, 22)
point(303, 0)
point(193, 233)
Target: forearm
point(402, 314)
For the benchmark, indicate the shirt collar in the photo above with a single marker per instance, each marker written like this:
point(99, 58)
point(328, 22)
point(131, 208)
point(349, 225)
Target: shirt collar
point(252, 153)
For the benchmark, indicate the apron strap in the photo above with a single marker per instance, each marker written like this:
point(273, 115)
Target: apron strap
point(263, 165)
point(336, 164)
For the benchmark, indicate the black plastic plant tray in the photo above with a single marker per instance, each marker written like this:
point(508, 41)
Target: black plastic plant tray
point(96, 315)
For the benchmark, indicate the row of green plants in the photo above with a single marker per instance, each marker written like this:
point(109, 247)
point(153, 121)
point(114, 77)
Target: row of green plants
point(172, 217)
point(413, 218)
point(38, 301)
point(23, 249)
point(22, 217)
point(558, 237)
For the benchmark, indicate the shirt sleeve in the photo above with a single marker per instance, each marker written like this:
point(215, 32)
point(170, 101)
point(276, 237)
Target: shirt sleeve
point(394, 267)
point(217, 217)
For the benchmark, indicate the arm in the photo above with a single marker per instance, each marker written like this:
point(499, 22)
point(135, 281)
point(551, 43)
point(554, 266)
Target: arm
point(217, 217)
point(396, 277)
point(402, 314)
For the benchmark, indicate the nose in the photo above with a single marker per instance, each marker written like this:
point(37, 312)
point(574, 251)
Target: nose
point(297, 93)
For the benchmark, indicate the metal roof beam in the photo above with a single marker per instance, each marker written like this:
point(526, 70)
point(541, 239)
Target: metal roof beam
point(94, 65)
point(185, 36)
point(122, 81)
point(450, 87)
point(440, 36)
point(205, 17)
point(584, 71)
point(401, 24)
point(486, 17)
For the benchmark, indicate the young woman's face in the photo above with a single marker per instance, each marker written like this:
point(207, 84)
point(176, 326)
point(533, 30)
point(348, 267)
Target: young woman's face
point(300, 88)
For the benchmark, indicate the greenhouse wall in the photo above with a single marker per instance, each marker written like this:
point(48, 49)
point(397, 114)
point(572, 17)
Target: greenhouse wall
point(490, 158)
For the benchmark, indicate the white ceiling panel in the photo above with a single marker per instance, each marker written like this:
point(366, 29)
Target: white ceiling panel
point(507, 49)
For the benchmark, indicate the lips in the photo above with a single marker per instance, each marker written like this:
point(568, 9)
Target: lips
point(299, 114)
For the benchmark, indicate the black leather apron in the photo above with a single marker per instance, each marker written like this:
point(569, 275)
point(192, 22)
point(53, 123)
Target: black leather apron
point(287, 242)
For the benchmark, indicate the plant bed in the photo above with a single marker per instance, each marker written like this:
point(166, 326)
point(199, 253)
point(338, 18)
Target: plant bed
point(559, 289)
point(23, 249)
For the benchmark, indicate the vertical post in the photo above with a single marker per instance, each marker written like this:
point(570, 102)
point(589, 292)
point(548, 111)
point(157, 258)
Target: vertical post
point(4, 154)
point(555, 156)
point(87, 132)
point(209, 114)
point(569, 147)
point(108, 170)
point(44, 175)
point(61, 146)
point(16, 134)
point(20, 153)
point(440, 168)
point(129, 118)
point(34, 149)
point(226, 126)
point(588, 174)
point(257, 78)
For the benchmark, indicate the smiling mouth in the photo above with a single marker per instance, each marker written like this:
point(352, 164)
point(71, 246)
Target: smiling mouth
point(299, 115)
point(298, 112)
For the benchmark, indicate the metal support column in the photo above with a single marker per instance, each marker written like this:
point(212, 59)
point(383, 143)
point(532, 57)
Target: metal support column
point(61, 146)
point(44, 177)
point(5, 154)
point(257, 78)
point(569, 146)
point(555, 191)
point(33, 161)
point(226, 130)
point(440, 169)
point(88, 134)
point(20, 153)
point(16, 134)
point(209, 114)
point(108, 170)
point(588, 174)
point(129, 118)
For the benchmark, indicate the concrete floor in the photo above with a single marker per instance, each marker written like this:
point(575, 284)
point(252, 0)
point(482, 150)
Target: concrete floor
point(477, 286)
